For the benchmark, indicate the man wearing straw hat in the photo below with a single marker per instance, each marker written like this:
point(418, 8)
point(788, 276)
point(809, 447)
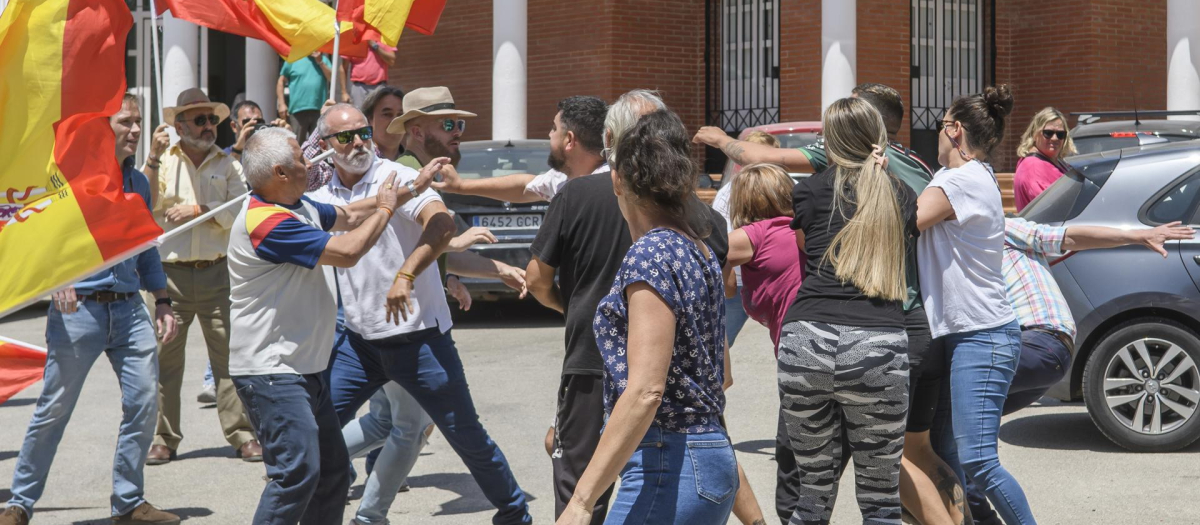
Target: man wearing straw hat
point(432, 126)
point(187, 180)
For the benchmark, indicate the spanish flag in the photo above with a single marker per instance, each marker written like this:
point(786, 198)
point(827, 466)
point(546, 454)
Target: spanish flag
point(21, 365)
point(294, 28)
point(384, 20)
point(63, 212)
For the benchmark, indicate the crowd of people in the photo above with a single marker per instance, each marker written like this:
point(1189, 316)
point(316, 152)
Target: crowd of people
point(907, 313)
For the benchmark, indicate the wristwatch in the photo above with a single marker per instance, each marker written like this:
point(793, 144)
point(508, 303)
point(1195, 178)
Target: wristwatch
point(163, 300)
point(412, 188)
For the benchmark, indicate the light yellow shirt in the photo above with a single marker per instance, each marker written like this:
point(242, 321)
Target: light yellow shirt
point(217, 180)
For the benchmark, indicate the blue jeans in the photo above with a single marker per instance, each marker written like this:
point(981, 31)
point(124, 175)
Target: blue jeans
point(397, 422)
point(302, 448)
point(123, 331)
point(982, 365)
point(428, 367)
point(677, 478)
point(735, 316)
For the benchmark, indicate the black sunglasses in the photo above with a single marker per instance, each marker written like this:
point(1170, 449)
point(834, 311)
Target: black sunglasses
point(1050, 134)
point(346, 137)
point(210, 118)
point(449, 124)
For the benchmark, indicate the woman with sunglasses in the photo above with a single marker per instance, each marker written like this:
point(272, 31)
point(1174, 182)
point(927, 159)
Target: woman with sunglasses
point(1045, 142)
point(960, 251)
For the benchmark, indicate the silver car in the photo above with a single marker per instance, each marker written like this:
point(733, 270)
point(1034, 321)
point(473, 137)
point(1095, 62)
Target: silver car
point(1138, 348)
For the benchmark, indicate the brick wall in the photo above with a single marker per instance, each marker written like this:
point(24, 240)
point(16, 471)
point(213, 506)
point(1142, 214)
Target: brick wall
point(884, 44)
point(459, 56)
point(800, 60)
point(1078, 55)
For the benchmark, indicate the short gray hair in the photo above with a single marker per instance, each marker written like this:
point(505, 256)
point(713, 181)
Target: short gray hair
point(267, 148)
point(323, 126)
point(624, 114)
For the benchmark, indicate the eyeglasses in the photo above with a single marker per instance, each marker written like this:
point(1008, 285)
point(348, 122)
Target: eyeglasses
point(449, 124)
point(943, 123)
point(346, 137)
point(209, 118)
point(1050, 134)
point(251, 119)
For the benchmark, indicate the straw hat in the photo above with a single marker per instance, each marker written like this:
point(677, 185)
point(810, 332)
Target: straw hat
point(426, 101)
point(192, 99)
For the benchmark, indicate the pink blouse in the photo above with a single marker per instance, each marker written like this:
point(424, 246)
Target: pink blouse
point(1034, 174)
point(770, 280)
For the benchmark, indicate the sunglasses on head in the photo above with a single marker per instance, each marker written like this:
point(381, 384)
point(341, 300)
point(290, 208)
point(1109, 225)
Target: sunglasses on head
point(346, 137)
point(210, 118)
point(449, 124)
point(1050, 134)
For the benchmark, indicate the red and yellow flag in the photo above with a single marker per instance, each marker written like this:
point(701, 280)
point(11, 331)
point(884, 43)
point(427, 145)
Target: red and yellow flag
point(294, 28)
point(21, 365)
point(63, 212)
point(384, 20)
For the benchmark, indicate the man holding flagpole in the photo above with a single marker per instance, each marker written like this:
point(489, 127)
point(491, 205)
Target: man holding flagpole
point(190, 179)
point(102, 314)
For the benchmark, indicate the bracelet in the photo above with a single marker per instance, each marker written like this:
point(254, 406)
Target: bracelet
point(197, 209)
point(235, 151)
point(153, 165)
point(408, 276)
point(162, 301)
point(388, 210)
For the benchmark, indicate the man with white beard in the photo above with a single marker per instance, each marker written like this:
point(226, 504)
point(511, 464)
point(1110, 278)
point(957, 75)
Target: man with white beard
point(408, 340)
point(187, 180)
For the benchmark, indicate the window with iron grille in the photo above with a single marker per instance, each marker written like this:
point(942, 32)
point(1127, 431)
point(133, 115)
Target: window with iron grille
point(743, 69)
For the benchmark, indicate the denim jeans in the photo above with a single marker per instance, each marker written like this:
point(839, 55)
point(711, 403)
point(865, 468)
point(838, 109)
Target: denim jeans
point(123, 331)
point(397, 422)
point(302, 445)
point(429, 368)
point(982, 365)
point(677, 478)
point(735, 316)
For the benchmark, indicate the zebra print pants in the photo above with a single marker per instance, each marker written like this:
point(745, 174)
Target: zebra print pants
point(832, 375)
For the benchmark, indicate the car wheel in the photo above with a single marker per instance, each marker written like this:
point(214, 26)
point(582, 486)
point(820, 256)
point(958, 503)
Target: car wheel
point(1142, 385)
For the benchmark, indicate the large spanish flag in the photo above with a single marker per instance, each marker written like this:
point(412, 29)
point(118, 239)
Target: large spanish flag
point(384, 20)
point(294, 28)
point(21, 365)
point(63, 213)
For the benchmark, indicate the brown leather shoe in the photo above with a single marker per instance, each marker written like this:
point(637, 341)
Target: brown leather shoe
point(14, 515)
point(250, 451)
point(160, 455)
point(147, 514)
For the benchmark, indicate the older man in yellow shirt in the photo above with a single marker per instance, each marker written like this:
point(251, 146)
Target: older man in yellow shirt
point(187, 180)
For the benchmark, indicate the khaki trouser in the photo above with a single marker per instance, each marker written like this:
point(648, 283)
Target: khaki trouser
point(204, 294)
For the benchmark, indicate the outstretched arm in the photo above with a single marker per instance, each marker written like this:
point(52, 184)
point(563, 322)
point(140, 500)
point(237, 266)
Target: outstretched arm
point(746, 153)
point(1092, 237)
point(509, 188)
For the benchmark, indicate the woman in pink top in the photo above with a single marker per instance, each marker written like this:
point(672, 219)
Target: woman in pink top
point(764, 245)
point(1045, 142)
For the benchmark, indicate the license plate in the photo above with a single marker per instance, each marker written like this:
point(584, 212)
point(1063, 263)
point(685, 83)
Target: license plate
point(508, 222)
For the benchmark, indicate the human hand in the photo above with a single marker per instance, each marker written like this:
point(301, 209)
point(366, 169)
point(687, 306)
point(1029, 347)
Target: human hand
point(282, 109)
point(451, 182)
point(328, 104)
point(315, 54)
point(471, 237)
point(388, 195)
point(425, 179)
point(575, 514)
point(160, 141)
point(244, 134)
point(399, 301)
point(711, 136)
point(459, 292)
point(1154, 238)
point(182, 212)
point(281, 123)
point(164, 317)
point(66, 301)
point(514, 278)
point(346, 98)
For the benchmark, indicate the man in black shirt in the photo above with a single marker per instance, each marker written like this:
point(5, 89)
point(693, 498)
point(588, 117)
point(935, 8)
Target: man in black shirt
point(584, 238)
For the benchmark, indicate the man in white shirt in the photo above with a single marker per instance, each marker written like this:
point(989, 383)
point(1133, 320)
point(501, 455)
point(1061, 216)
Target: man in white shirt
point(409, 342)
point(282, 324)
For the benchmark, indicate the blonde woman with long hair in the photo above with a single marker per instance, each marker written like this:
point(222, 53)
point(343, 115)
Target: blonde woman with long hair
point(1045, 142)
point(843, 352)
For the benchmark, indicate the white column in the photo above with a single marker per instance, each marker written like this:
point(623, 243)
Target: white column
point(1183, 55)
point(838, 49)
point(508, 69)
point(262, 72)
point(181, 58)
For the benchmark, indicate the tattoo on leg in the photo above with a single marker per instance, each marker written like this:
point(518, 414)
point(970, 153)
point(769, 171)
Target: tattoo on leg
point(947, 484)
point(734, 151)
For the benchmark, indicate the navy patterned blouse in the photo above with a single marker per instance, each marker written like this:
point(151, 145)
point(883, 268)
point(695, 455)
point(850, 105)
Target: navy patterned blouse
point(691, 285)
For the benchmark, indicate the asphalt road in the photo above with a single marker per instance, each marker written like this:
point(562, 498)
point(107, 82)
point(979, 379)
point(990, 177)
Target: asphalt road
point(513, 353)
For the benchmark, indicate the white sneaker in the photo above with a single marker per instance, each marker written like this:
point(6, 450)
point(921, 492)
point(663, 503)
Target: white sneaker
point(207, 396)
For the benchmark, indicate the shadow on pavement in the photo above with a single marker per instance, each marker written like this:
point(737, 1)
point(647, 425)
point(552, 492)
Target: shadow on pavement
point(765, 447)
point(9, 454)
point(526, 313)
point(6, 494)
point(26, 401)
point(1063, 432)
point(213, 452)
point(470, 499)
point(184, 513)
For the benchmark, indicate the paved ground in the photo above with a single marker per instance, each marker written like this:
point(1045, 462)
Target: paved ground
point(1071, 473)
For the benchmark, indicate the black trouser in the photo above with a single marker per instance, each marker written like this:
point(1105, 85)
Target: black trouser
point(577, 426)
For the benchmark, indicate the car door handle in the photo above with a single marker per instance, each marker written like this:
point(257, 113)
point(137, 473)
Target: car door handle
point(1196, 258)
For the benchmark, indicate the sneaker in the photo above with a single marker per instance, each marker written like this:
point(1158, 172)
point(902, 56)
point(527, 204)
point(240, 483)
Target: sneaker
point(147, 514)
point(14, 515)
point(208, 396)
point(404, 488)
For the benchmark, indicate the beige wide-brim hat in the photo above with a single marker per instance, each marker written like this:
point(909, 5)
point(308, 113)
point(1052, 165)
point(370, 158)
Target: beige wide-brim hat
point(192, 99)
point(426, 101)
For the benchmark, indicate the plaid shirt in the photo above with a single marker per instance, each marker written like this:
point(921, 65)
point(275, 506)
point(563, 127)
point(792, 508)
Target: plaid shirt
point(1031, 289)
point(319, 173)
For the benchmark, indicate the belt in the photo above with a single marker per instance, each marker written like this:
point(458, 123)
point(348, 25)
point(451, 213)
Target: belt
point(106, 297)
point(198, 265)
point(1066, 340)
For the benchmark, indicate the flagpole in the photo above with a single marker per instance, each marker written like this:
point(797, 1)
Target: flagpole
point(157, 62)
point(337, 41)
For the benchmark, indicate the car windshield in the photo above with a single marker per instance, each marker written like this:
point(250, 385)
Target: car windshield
point(1070, 194)
point(502, 160)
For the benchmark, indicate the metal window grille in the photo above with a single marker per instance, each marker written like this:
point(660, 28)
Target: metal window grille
point(743, 76)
